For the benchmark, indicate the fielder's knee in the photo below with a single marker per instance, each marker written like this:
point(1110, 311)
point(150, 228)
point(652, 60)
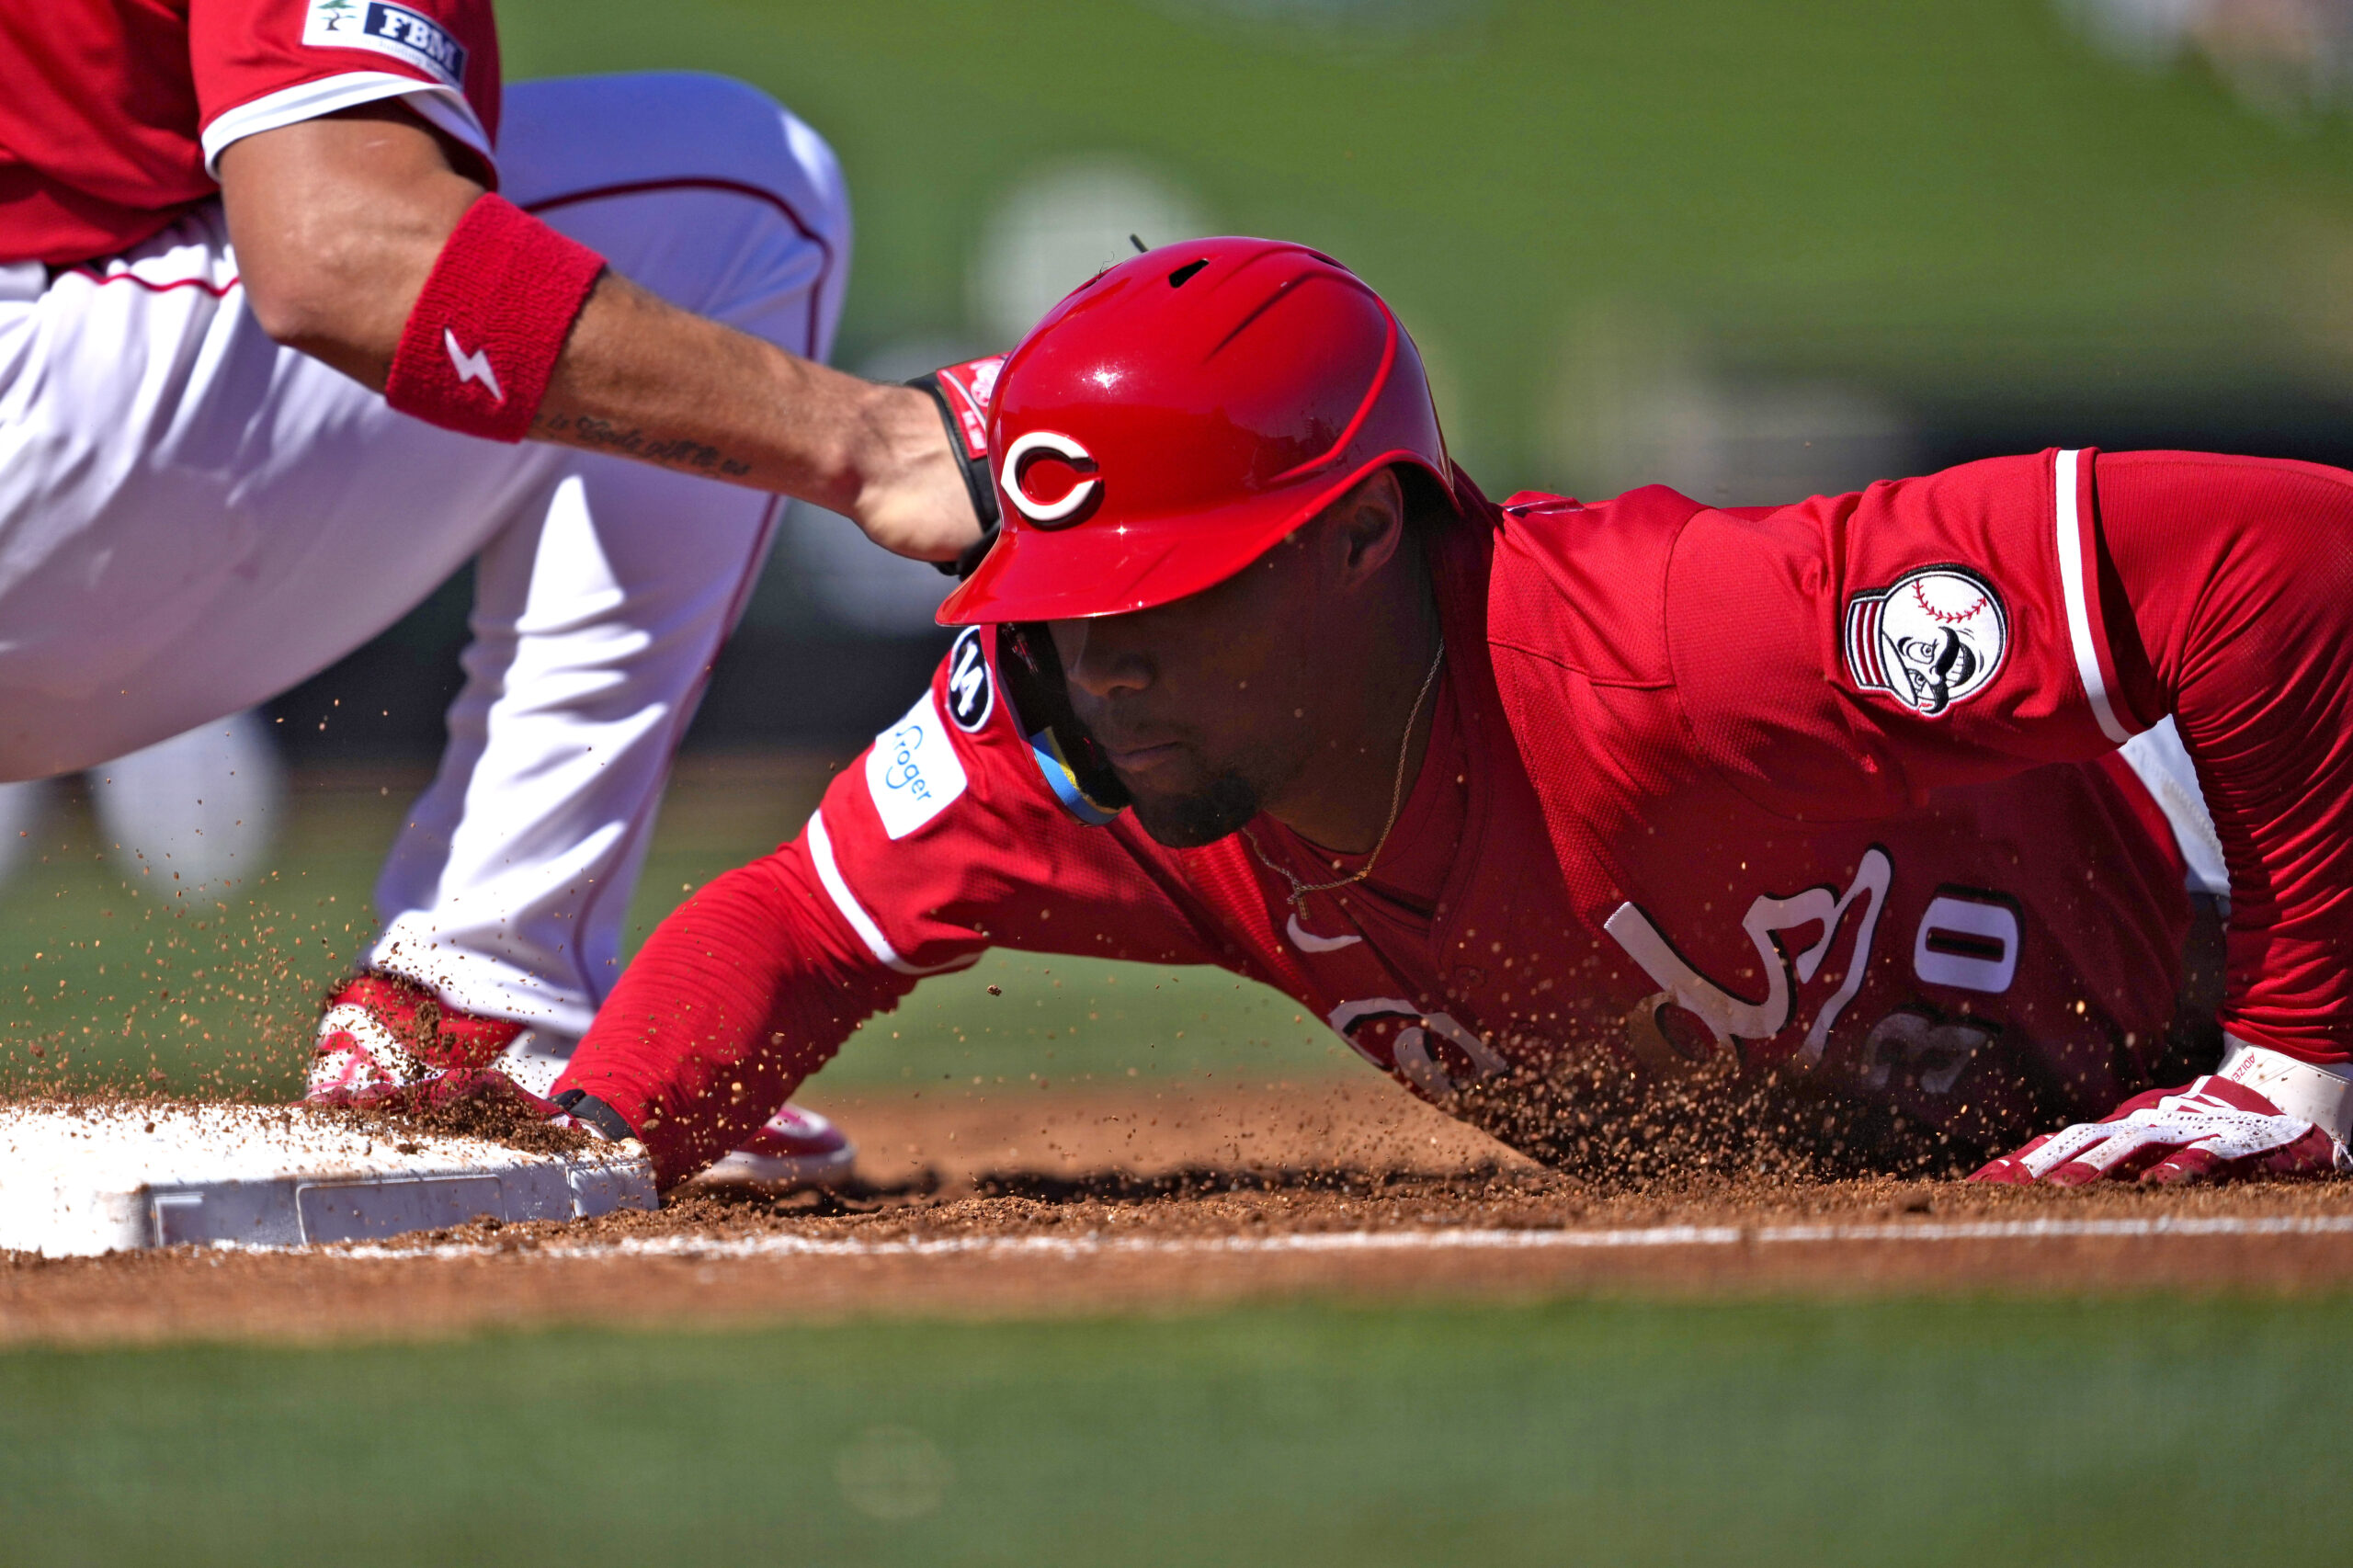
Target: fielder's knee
point(653, 129)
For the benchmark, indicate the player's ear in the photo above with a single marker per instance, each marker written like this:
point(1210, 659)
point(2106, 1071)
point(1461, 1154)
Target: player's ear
point(1367, 525)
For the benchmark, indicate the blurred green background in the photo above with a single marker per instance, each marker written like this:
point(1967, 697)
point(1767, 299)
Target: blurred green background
point(1753, 249)
point(1950, 211)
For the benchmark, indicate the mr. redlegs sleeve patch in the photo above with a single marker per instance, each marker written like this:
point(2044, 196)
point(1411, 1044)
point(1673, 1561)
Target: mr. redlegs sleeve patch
point(1932, 638)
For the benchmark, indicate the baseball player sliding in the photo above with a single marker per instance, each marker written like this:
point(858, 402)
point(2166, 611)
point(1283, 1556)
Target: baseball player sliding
point(1535, 801)
point(298, 313)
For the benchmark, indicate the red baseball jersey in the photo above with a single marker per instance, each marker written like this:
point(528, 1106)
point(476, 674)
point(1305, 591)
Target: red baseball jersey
point(116, 109)
point(1823, 788)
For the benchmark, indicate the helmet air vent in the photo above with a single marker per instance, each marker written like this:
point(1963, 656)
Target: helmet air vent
point(1178, 278)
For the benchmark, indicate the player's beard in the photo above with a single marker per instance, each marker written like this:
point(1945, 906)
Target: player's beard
point(1204, 816)
point(1232, 788)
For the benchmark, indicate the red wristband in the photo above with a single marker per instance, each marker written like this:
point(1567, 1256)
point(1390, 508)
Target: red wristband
point(481, 342)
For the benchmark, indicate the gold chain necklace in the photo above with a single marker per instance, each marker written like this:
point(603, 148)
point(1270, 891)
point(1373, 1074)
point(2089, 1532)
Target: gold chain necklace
point(1298, 889)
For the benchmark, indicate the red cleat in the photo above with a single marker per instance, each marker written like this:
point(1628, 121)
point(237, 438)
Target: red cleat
point(793, 1149)
point(380, 1034)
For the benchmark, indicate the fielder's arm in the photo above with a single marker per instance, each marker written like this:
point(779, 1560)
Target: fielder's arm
point(339, 221)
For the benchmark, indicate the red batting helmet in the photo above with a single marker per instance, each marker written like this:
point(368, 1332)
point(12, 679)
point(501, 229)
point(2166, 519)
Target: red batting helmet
point(1169, 422)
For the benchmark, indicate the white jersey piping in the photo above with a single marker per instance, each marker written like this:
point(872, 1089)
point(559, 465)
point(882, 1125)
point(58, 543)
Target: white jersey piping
point(829, 872)
point(2071, 580)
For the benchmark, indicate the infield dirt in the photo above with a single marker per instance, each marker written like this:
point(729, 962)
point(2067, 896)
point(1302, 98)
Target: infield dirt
point(1163, 1195)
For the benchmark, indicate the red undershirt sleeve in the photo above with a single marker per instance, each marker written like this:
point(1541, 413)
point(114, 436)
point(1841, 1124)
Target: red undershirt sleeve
point(2226, 584)
point(747, 988)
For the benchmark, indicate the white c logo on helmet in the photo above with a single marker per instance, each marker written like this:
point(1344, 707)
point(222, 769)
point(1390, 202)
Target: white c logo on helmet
point(1047, 512)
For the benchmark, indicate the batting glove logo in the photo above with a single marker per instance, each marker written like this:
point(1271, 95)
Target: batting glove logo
point(1932, 638)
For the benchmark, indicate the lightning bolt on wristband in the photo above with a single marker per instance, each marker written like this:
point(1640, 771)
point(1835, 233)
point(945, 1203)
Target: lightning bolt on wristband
point(481, 342)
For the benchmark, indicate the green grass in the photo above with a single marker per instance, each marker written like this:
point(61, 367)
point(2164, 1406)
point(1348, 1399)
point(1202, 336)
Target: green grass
point(2122, 1431)
point(114, 979)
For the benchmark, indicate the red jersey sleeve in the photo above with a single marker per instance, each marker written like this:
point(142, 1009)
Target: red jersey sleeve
point(260, 65)
point(1849, 654)
point(1842, 657)
point(941, 840)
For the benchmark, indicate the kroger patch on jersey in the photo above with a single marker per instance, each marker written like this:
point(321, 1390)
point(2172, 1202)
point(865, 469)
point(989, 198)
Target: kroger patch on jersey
point(971, 695)
point(405, 35)
point(1930, 639)
point(913, 771)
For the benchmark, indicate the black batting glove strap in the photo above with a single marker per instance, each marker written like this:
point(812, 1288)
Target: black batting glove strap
point(967, 564)
point(584, 1106)
point(978, 486)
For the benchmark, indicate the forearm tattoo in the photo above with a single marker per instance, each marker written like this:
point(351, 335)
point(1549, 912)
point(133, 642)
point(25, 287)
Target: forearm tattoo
point(602, 436)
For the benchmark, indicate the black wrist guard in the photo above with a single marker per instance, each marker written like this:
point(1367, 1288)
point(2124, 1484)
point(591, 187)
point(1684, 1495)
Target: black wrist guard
point(962, 394)
point(584, 1106)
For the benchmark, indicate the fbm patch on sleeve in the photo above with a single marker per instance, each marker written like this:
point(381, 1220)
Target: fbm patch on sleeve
point(409, 36)
point(913, 771)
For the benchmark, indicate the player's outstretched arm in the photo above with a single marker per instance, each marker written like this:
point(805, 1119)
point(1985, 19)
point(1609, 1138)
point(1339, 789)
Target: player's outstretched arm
point(744, 991)
point(947, 837)
point(340, 221)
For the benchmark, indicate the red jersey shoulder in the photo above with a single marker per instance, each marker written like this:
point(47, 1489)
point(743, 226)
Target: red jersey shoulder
point(1845, 652)
point(1585, 585)
point(916, 769)
point(114, 111)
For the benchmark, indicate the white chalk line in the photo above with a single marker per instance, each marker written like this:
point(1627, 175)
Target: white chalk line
point(1097, 1243)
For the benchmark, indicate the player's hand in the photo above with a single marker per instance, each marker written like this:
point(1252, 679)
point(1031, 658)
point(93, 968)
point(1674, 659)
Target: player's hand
point(2212, 1129)
point(497, 1092)
point(452, 1085)
point(931, 497)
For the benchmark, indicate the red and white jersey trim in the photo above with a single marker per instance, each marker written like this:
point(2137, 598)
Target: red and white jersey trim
point(2065, 478)
point(1863, 642)
point(829, 872)
point(445, 108)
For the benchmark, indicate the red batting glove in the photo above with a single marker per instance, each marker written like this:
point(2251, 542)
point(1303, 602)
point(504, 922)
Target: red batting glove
point(2210, 1131)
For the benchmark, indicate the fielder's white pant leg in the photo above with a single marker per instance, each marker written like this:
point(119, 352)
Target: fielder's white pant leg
point(597, 618)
